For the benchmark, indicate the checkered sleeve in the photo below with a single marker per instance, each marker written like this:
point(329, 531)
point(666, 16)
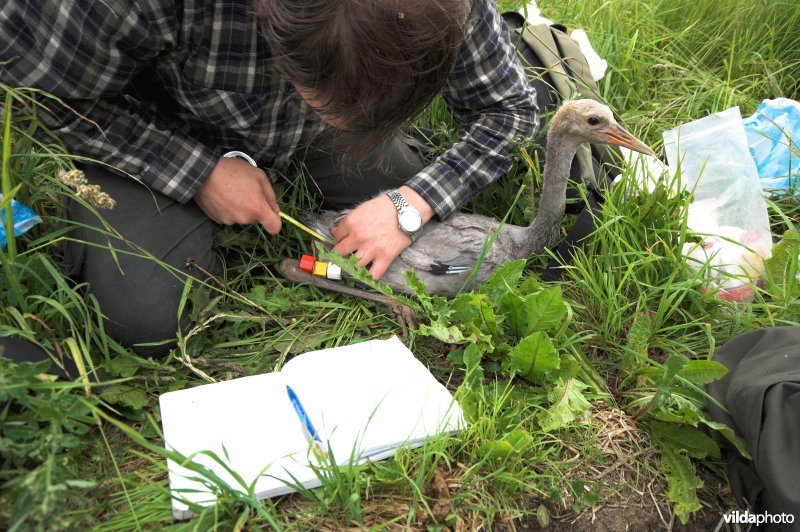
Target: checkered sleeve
point(496, 108)
point(85, 54)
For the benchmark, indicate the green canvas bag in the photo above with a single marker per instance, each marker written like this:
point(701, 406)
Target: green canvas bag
point(558, 71)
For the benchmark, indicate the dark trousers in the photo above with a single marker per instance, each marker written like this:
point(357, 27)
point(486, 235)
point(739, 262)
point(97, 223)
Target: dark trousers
point(761, 400)
point(138, 277)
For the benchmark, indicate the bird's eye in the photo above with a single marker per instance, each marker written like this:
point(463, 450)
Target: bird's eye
point(593, 120)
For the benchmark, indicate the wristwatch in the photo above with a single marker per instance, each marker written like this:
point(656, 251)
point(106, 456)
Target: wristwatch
point(409, 218)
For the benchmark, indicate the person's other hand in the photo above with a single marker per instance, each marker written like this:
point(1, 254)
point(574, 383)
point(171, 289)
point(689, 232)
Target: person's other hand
point(371, 231)
point(239, 193)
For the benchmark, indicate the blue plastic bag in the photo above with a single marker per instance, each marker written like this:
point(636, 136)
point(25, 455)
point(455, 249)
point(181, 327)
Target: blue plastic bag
point(24, 218)
point(773, 134)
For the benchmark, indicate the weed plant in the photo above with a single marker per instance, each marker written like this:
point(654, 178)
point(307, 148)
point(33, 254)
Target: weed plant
point(628, 330)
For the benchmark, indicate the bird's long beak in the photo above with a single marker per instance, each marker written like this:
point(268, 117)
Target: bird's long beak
point(617, 135)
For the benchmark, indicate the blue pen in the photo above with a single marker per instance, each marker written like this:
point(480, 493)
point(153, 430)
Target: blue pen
point(304, 419)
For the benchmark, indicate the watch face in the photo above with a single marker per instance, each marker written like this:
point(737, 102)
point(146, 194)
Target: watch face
point(410, 221)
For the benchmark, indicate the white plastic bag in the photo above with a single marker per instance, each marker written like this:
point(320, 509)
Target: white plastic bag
point(728, 212)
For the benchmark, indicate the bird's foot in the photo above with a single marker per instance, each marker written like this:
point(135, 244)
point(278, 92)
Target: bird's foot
point(405, 316)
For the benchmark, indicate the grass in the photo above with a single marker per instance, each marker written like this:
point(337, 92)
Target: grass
point(633, 333)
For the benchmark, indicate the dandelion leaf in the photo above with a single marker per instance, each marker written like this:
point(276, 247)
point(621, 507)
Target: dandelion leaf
point(126, 395)
point(682, 483)
point(685, 438)
point(782, 267)
point(545, 309)
point(567, 404)
point(513, 443)
point(533, 357)
point(702, 371)
point(504, 280)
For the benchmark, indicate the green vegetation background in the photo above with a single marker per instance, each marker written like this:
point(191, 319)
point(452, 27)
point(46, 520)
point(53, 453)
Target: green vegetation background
point(628, 331)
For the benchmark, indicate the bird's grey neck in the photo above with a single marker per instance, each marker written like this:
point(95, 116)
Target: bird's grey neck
point(546, 227)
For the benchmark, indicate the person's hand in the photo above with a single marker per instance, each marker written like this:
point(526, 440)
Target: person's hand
point(239, 193)
point(371, 231)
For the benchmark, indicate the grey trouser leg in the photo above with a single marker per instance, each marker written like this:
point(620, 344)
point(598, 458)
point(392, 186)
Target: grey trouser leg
point(19, 350)
point(138, 296)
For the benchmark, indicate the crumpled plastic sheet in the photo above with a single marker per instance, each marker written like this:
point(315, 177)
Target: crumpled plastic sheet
point(773, 133)
point(24, 218)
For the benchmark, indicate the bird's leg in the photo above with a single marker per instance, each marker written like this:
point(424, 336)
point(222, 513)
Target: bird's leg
point(290, 270)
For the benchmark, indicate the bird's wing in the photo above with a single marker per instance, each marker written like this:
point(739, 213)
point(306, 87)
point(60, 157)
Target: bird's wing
point(450, 246)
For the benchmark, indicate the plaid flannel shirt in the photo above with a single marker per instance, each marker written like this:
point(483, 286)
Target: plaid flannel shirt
point(103, 58)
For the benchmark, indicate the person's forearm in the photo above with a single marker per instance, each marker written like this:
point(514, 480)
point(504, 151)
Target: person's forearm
point(418, 202)
point(496, 106)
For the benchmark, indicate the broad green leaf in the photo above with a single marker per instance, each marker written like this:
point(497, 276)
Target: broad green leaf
point(519, 439)
point(567, 404)
point(677, 409)
point(496, 449)
point(504, 280)
point(702, 371)
point(258, 293)
point(685, 438)
point(476, 311)
point(545, 310)
point(489, 321)
point(533, 357)
point(125, 365)
point(125, 394)
point(472, 358)
point(456, 357)
point(728, 434)
point(513, 443)
point(350, 266)
point(421, 291)
point(515, 314)
point(637, 341)
point(464, 308)
point(499, 352)
point(529, 285)
point(673, 365)
point(682, 482)
point(469, 394)
point(448, 334)
point(23, 370)
point(781, 269)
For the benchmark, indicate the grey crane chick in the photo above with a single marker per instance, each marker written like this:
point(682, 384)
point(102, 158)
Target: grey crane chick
point(444, 254)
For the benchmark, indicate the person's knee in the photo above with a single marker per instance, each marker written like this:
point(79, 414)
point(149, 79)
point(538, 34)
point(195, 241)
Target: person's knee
point(140, 310)
point(138, 279)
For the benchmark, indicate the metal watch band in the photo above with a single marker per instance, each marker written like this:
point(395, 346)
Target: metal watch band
point(399, 201)
point(401, 204)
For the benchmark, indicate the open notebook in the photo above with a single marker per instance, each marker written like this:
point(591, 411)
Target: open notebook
point(371, 397)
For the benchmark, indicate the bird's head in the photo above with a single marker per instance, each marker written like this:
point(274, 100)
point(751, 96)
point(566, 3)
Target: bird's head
point(591, 121)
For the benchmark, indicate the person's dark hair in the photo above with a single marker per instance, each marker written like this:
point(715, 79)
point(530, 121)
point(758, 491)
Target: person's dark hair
point(373, 64)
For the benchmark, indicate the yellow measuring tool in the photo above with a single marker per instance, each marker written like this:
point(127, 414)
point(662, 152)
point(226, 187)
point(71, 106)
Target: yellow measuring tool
point(305, 228)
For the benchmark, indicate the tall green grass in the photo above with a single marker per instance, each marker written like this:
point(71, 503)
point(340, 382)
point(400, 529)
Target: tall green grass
point(677, 60)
